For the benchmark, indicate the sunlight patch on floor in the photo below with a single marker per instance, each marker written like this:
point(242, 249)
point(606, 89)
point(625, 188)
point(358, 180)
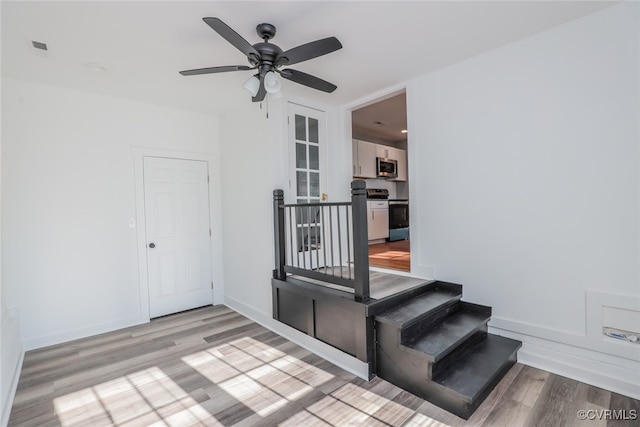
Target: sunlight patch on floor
point(147, 397)
point(421, 420)
point(261, 377)
point(389, 254)
point(354, 405)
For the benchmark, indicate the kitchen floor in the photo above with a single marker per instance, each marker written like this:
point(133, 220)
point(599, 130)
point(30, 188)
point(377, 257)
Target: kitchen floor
point(394, 255)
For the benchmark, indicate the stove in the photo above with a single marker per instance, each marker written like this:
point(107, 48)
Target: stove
point(377, 194)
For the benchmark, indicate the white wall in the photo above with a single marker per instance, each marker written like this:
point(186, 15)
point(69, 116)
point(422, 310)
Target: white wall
point(10, 346)
point(525, 184)
point(69, 256)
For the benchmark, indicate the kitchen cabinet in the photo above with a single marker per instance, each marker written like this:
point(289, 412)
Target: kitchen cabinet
point(401, 157)
point(378, 220)
point(384, 151)
point(364, 159)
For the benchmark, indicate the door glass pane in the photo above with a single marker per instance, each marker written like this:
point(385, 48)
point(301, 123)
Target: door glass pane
point(301, 213)
point(301, 155)
point(314, 184)
point(301, 179)
point(313, 130)
point(301, 128)
point(313, 157)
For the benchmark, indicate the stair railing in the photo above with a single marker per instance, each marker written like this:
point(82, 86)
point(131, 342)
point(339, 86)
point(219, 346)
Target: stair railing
point(324, 241)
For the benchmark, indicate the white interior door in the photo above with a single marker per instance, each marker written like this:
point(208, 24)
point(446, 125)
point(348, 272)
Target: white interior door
point(176, 195)
point(307, 142)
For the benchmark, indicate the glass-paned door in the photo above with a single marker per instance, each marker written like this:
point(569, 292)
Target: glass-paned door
point(306, 136)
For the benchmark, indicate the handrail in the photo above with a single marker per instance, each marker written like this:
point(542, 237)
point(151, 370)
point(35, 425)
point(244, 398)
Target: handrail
point(316, 204)
point(323, 235)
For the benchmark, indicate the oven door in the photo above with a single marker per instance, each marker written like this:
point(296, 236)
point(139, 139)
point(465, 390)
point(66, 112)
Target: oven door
point(386, 168)
point(398, 215)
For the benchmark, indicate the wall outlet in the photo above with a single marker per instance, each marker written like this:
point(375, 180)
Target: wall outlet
point(619, 334)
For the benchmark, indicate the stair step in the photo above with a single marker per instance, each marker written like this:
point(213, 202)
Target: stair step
point(445, 336)
point(476, 369)
point(422, 306)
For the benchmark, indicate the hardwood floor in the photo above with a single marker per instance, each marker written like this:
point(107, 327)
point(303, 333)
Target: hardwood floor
point(393, 255)
point(213, 367)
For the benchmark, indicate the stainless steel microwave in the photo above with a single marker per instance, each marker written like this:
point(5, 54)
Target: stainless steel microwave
point(386, 168)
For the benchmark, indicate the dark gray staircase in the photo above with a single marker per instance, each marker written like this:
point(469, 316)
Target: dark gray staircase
point(437, 347)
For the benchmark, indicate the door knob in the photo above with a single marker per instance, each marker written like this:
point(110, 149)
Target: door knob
point(152, 245)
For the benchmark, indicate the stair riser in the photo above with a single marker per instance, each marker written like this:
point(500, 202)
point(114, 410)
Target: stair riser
point(423, 322)
point(426, 323)
point(452, 357)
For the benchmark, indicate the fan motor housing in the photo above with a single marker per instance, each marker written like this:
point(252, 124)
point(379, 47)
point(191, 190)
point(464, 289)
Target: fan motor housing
point(269, 52)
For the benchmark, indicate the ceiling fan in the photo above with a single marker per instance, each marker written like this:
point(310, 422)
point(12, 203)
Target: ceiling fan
point(267, 58)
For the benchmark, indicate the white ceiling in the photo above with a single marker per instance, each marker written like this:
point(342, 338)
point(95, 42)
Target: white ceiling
point(145, 44)
point(381, 121)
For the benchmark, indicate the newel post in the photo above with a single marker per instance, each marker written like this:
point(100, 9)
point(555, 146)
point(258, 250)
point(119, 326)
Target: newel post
point(279, 239)
point(360, 240)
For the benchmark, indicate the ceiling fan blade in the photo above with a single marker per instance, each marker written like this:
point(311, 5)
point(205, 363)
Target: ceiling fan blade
point(231, 36)
point(308, 80)
point(211, 70)
point(309, 51)
point(262, 92)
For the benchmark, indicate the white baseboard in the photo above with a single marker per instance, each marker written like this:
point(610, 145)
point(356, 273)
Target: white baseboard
point(34, 343)
point(327, 352)
point(8, 403)
point(613, 373)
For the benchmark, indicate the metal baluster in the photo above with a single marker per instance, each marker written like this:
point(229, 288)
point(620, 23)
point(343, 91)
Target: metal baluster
point(346, 210)
point(304, 257)
point(339, 241)
point(331, 238)
point(291, 236)
point(309, 237)
point(316, 210)
point(324, 239)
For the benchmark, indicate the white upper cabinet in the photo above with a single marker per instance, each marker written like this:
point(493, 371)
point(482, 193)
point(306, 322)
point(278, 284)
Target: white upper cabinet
point(384, 151)
point(401, 157)
point(364, 159)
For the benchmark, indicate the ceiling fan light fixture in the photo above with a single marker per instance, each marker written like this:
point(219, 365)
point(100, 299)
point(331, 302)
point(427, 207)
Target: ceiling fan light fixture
point(252, 85)
point(266, 57)
point(271, 82)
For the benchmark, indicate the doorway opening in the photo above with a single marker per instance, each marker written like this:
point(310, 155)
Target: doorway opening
point(380, 158)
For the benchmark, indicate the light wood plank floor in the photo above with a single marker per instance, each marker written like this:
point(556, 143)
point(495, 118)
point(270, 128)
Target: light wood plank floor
point(393, 255)
point(212, 366)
